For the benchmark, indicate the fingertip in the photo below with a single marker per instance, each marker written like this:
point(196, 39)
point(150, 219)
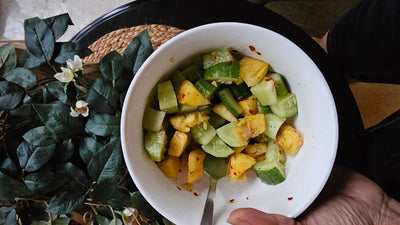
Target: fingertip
point(250, 216)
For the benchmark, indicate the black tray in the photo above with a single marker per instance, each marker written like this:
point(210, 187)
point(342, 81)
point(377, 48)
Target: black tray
point(186, 14)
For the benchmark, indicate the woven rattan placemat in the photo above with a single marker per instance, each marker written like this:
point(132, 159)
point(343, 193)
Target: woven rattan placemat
point(119, 39)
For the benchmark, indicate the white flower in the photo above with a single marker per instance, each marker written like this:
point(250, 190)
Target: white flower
point(81, 108)
point(76, 64)
point(65, 76)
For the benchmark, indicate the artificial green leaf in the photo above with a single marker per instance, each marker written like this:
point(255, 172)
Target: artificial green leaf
point(102, 125)
point(106, 163)
point(40, 136)
point(104, 190)
point(8, 59)
point(44, 182)
point(9, 167)
point(11, 95)
point(69, 49)
point(61, 220)
point(119, 200)
point(67, 200)
point(140, 203)
point(39, 158)
point(24, 151)
point(111, 66)
point(102, 97)
point(63, 151)
point(77, 175)
point(100, 220)
point(23, 77)
point(56, 117)
point(56, 88)
point(88, 148)
point(29, 60)
point(12, 188)
point(39, 38)
point(138, 50)
point(58, 24)
point(116, 221)
point(25, 109)
point(8, 215)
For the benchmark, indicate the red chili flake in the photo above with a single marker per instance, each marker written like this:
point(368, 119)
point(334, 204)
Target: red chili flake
point(231, 167)
point(229, 63)
point(280, 152)
point(234, 173)
point(239, 98)
point(232, 200)
point(252, 48)
point(179, 188)
point(247, 198)
point(268, 78)
point(197, 159)
point(214, 58)
point(196, 194)
point(290, 198)
point(183, 95)
point(252, 112)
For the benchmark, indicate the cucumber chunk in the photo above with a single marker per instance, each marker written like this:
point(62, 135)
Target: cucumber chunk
point(203, 133)
point(272, 169)
point(153, 119)
point(217, 56)
point(271, 173)
point(191, 72)
point(224, 72)
point(207, 88)
point(286, 106)
point(272, 123)
point(229, 101)
point(215, 120)
point(166, 97)
point(263, 108)
point(275, 153)
point(241, 91)
point(226, 134)
point(217, 148)
point(155, 143)
point(265, 92)
point(281, 88)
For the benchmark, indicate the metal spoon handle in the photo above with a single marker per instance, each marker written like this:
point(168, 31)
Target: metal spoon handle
point(208, 212)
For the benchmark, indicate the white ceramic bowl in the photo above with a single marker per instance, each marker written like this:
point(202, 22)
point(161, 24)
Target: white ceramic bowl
point(307, 172)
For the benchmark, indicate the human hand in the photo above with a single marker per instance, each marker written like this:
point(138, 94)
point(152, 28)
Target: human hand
point(348, 198)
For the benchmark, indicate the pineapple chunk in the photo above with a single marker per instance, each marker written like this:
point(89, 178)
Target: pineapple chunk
point(239, 149)
point(289, 139)
point(188, 186)
point(195, 165)
point(170, 166)
point(249, 127)
point(239, 163)
point(249, 105)
point(256, 150)
point(178, 143)
point(252, 70)
point(188, 94)
point(221, 110)
point(183, 122)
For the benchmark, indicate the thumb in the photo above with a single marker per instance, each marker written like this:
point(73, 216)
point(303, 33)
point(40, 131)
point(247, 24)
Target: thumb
point(249, 216)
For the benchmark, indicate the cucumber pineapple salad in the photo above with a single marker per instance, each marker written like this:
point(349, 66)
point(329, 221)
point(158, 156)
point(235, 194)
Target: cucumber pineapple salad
point(226, 105)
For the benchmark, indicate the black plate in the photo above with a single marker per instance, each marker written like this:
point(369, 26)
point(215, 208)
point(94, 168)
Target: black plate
point(186, 14)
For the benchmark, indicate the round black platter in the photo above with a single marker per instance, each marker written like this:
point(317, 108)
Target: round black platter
point(186, 14)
